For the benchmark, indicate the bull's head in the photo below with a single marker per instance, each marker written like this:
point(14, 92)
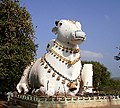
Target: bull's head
point(69, 31)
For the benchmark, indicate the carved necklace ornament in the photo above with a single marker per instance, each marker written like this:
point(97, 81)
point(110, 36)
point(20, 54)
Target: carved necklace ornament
point(50, 68)
point(63, 59)
point(71, 50)
point(71, 83)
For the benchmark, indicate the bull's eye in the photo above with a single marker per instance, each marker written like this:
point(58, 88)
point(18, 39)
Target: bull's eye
point(60, 24)
point(48, 45)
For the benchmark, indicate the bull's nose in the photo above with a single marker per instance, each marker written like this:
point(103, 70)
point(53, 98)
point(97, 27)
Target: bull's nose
point(79, 34)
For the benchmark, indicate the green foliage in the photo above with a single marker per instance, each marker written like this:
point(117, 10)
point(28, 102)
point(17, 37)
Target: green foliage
point(114, 86)
point(17, 46)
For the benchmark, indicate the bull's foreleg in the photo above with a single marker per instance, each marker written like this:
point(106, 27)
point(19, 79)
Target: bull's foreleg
point(46, 87)
point(23, 83)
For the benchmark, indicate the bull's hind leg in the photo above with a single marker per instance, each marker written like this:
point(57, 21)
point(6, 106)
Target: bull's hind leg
point(46, 87)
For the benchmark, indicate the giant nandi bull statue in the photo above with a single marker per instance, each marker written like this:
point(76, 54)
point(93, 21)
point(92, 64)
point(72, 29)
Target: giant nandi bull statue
point(58, 71)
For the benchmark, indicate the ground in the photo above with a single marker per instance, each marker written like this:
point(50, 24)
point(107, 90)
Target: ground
point(3, 104)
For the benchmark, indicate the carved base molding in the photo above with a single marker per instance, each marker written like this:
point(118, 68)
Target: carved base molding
point(29, 101)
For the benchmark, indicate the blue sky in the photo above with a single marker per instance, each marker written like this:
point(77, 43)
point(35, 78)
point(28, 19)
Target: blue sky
point(100, 21)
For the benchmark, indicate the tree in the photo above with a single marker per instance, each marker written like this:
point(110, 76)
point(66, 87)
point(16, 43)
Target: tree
point(114, 86)
point(17, 44)
point(101, 76)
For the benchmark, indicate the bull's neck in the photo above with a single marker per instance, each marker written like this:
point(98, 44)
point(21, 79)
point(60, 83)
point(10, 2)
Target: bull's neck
point(66, 47)
point(64, 53)
point(66, 44)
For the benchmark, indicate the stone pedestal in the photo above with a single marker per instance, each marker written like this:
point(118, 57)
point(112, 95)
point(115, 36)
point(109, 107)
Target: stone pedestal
point(29, 101)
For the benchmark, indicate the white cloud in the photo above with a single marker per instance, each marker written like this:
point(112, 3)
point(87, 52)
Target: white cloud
point(90, 54)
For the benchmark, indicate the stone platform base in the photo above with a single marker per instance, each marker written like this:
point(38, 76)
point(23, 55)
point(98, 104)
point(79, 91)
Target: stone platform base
point(29, 101)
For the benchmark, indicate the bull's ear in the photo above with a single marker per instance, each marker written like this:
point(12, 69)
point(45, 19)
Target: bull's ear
point(54, 30)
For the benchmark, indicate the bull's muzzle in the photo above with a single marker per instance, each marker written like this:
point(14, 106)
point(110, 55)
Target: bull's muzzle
point(78, 35)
